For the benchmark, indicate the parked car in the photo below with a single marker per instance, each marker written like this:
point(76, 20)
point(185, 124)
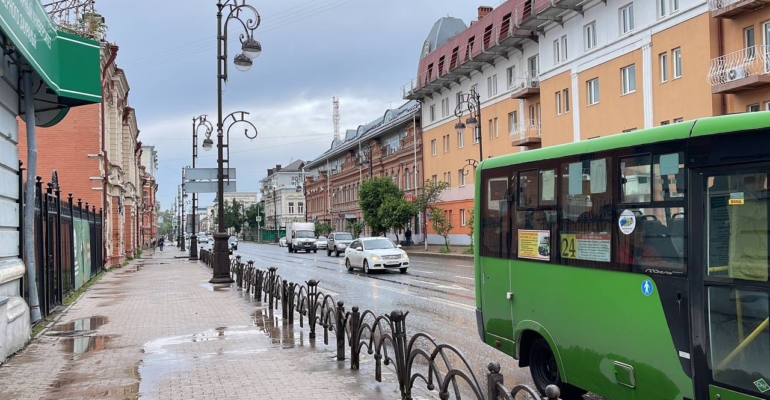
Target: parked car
point(321, 242)
point(338, 242)
point(375, 253)
point(232, 242)
point(282, 242)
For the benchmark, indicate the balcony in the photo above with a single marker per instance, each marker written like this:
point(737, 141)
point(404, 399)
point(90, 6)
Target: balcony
point(744, 70)
point(525, 85)
point(735, 8)
point(526, 134)
point(533, 14)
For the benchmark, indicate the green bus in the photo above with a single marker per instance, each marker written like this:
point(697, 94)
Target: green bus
point(633, 266)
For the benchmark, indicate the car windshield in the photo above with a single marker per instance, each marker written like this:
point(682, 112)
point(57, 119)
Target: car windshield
point(322, 238)
point(305, 235)
point(343, 236)
point(232, 239)
point(378, 244)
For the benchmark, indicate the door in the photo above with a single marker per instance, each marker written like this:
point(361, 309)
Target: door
point(731, 307)
point(355, 255)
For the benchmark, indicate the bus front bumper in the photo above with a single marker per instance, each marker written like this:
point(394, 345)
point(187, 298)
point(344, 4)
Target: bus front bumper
point(480, 323)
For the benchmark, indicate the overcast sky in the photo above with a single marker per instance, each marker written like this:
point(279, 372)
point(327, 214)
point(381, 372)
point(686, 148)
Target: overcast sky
point(361, 51)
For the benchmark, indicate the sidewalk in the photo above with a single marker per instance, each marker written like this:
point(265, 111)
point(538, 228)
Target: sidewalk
point(435, 251)
point(157, 329)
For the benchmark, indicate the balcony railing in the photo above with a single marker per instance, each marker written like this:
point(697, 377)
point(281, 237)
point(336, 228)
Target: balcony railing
point(735, 8)
point(530, 79)
point(522, 134)
point(734, 71)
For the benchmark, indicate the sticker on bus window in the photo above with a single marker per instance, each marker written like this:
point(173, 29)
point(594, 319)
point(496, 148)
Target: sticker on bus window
point(627, 222)
point(762, 385)
point(669, 164)
point(736, 199)
point(535, 245)
point(586, 247)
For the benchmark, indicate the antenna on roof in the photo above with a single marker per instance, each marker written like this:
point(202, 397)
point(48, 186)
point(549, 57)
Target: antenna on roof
point(336, 116)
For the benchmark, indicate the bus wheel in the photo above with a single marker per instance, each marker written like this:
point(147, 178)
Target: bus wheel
point(545, 371)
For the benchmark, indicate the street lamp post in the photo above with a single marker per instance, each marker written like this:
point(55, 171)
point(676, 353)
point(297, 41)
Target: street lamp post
point(183, 218)
point(243, 61)
point(470, 102)
point(275, 215)
point(197, 123)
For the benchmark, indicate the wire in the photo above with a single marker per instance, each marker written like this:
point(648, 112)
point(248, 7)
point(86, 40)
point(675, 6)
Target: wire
point(180, 53)
point(253, 150)
point(244, 138)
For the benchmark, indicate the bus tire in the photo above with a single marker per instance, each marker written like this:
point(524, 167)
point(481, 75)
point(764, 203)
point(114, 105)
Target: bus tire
point(545, 371)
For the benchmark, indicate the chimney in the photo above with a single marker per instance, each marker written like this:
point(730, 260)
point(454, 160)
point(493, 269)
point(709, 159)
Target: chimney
point(269, 171)
point(277, 167)
point(483, 11)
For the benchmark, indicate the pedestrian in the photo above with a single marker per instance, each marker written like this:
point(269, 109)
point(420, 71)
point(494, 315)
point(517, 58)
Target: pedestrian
point(154, 243)
point(161, 243)
point(408, 235)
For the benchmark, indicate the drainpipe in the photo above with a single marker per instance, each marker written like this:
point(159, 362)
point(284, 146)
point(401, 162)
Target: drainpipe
point(721, 50)
point(29, 210)
point(105, 233)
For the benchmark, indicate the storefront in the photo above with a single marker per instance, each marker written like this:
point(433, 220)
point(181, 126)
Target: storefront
point(59, 71)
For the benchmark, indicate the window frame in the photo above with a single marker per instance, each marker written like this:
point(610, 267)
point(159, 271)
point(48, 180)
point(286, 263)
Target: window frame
point(461, 177)
point(460, 140)
point(626, 18)
point(463, 221)
point(628, 85)
point(591, 90)
point(565, 94)
point(557, 99)
point(677, 61)
point(663, 62)
point(433, 147)
point(432, 113)
point(557, 51)
point(589, 35)
point(564, 48)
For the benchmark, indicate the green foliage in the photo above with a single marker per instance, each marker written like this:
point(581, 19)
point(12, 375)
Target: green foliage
point(471, 226)
point(356, 227)
point(251, 214)
point(165, 222)
point(441, 224)
point(395, 213)
point(468, 250)
point(323, 228)
point(425, 197)
point(444, 250)
point(372, 194)
point(233, 215)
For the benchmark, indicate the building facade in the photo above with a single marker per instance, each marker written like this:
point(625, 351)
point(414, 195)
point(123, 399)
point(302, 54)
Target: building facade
point(383, 147)
point(557, 72)
point(282, 195)
point(149, 205)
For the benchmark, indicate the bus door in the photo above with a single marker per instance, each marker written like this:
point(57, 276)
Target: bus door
point(730, 308)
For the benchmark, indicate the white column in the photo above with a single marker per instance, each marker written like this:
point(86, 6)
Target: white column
point(647, 83)
point(575, 108)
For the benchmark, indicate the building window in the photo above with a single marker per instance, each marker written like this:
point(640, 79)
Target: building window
point(475, 88)
point(627, 19)
point(475, 134)
point(462, 217)
point(493, 128)
point(589, 36)
point(593, 91)
point(749, 42)
point(445, 107)
point(492, 86)
point(677, 54)
point(459, 98)
point(291, 207)
point(558, 103)
point(753, 108)
point(556, 51)
point(564, 48)
point(674, 6)
point(301, 207)
point(533, 63)
point(767, 106)
point(680, 119)
point(662, 8)
point(628, 75)
point(511, 75)
point(461, 177)
point(433, 147)
point(664, 122)
point(566, 100)
point(435, 179)
point(513, 122)
point(407, 178)
point(663, 57)
point(449, 179)
point(446, 143)
point(432, 113)
point(460, 140)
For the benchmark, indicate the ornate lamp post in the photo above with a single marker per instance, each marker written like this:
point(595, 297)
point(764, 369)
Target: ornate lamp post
point(243, 61)
point(471, 103)
point(198, 122)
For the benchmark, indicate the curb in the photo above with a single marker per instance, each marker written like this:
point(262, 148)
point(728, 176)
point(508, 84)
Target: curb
point(440, 255)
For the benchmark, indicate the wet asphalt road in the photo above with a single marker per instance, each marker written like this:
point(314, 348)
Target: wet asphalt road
point(437, 292)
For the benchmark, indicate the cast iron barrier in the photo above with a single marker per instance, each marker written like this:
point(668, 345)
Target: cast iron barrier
point(440, 366)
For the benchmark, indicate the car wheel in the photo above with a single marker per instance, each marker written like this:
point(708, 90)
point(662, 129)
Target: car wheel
point(545, 371)
point(328, 253)
point(366, 266)
point(402, 270)
point(336, 253)
point(289, 249)
point(347, 265)
point(315, 251)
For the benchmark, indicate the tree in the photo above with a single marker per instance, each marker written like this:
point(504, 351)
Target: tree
point(252, 212)
point(356, 228)
point(441, 224)
point(165, 222)
point(426, 196)
point(323, 228)
point(233, 218)
point(471, 228)
point(372, 194)
point(395, 213)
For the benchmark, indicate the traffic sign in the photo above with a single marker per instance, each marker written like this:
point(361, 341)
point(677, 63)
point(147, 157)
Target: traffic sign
point(259, 218)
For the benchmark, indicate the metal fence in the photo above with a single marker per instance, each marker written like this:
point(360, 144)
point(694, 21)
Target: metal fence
point(68, 243)
point(420, 358)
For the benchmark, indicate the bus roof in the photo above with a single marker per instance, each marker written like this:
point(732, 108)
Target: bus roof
point(694, 128)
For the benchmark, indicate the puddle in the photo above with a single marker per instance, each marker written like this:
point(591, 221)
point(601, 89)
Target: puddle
point(78, 327)
point(280, 333)
point(216, 288)
point(83, 345)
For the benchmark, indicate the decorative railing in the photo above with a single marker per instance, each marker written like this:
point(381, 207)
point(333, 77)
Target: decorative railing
point(530, 128)
point(715, 5)
point(529, 79)
point(750, 61)
point(420, 358)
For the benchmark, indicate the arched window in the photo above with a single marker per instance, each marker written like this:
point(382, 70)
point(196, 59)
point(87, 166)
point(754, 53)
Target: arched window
point(407, 178)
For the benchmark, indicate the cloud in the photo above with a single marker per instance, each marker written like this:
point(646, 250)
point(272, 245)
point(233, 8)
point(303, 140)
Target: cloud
point(299, 129)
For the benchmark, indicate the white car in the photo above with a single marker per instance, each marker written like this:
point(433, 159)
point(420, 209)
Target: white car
point(282, 242)
point(375, 253)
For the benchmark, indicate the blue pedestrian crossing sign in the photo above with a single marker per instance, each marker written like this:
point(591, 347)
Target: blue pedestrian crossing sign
point(647, 287)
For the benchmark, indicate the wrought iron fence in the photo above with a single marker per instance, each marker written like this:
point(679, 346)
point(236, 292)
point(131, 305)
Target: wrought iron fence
point(68, 242)
point(417, 358)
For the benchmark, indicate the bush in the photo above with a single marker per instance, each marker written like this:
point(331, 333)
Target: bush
point(469, 250)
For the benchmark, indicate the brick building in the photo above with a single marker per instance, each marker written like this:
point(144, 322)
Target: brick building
point(383, 147)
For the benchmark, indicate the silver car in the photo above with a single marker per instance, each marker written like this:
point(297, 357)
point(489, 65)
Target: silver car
point(338, 242)
point(321, 242)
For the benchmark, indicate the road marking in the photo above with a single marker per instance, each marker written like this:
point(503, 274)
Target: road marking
point(420, 270)
point(464, 266)
point(465, 277)
point(429, 283)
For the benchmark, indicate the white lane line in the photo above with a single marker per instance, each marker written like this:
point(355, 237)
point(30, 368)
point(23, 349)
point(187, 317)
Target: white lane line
point(428, 283)
point(421, 271)
point(465, 277)
point(464, 266)
point(428, 262)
